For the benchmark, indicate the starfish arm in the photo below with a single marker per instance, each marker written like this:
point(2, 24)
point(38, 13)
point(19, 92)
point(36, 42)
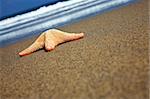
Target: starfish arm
point(38, 44)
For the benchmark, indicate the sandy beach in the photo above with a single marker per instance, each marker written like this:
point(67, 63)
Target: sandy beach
point(110, 62)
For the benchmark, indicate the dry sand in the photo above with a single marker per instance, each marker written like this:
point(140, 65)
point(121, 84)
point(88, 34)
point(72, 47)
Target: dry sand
point(111, 62)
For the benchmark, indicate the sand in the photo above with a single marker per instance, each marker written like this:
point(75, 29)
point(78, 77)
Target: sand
point(111, 62)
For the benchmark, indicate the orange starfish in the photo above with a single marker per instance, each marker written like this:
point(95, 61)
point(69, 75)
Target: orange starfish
point(50, 39)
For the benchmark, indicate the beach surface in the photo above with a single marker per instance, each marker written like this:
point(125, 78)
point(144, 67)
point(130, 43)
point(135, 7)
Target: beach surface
point(110, 62)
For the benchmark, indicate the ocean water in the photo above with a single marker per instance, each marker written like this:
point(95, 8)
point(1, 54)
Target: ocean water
point(11, 8)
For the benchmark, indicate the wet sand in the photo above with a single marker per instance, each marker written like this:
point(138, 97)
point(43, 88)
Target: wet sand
point(111, 62)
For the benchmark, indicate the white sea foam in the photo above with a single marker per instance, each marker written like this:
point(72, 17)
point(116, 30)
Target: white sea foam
point(34, 14)
point(43, 11)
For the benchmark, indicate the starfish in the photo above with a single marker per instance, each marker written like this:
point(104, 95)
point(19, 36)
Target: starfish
point(50, 39)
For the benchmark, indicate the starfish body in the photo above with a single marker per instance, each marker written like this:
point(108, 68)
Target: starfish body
point(50, 39)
